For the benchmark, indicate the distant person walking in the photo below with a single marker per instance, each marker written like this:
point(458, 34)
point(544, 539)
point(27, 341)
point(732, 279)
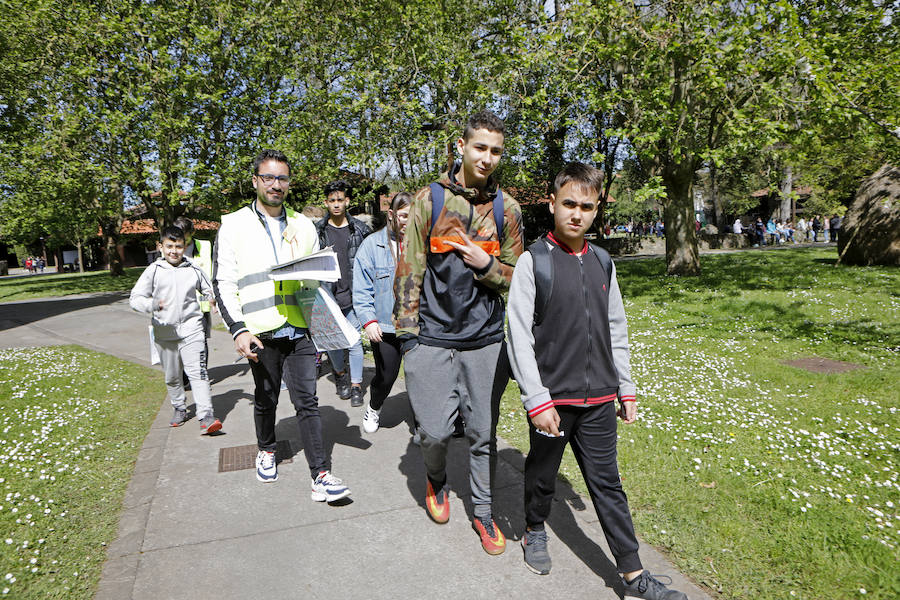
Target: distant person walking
point(759, 229)
point(835, 224)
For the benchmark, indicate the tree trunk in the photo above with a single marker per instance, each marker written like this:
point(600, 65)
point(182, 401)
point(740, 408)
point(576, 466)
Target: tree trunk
point(111, 229)
point(80, 247)
point(784, 212)
point(554, 143)
point(718, 210)
point(682, 252)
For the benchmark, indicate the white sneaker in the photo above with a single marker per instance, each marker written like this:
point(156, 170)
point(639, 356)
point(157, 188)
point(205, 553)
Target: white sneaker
point(266, 471)
point(328, 488)
point(370, 419)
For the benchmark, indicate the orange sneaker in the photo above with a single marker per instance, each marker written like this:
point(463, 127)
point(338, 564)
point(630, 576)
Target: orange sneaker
point(437, 504)
point(492, 539)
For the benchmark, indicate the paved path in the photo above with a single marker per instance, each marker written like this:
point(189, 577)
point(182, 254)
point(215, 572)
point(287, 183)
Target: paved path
point(189, 531)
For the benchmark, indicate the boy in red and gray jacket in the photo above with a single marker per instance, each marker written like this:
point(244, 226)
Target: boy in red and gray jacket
point(568, 347)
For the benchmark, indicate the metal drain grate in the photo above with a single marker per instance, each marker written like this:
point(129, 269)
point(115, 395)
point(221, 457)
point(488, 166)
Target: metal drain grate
point(237, 458)
point(817, 364)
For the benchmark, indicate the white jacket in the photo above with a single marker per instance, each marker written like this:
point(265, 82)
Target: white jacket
point(176, 287)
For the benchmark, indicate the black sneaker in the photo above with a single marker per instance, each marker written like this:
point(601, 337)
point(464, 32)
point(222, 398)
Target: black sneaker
point(179, 417)
point(537, 559)
point(647, 586)
point(356, 397)
point(342, 385)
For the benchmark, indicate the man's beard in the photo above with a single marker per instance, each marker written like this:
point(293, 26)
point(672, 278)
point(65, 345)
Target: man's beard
point(264, 198)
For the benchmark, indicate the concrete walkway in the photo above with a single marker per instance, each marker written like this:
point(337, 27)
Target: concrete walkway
point(190, 531)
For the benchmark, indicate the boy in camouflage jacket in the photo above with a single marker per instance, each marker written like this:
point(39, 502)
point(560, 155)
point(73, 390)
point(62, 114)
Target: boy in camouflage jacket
point(449, 317)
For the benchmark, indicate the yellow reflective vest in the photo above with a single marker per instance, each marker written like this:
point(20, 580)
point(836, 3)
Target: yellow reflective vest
point(203, 258)
point(248, 299)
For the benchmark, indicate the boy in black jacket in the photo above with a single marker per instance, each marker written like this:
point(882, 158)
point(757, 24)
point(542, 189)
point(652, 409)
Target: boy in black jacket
point(570, 357)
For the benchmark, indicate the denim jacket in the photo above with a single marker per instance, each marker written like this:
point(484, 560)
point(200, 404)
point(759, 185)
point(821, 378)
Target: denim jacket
point(373, 281)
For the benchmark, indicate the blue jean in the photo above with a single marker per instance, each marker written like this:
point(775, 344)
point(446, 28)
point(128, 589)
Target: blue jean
point(338, 358)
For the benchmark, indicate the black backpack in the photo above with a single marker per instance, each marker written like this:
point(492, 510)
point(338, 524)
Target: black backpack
point(543, 273)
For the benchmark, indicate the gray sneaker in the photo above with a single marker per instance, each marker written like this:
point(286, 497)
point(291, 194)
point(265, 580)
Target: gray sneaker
point(179, 417)
point(537, 559)
point(649, 587)
point(209, 424)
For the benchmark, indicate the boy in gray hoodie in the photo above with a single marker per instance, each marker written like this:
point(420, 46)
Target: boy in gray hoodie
point(168, 290)
point(568, 347)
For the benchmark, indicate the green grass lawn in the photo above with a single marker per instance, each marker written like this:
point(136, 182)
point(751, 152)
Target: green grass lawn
point(66, 284)
point(71, 424)
point(758, 479)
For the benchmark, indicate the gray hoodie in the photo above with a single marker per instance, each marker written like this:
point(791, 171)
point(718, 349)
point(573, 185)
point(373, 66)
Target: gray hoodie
point(177, 287)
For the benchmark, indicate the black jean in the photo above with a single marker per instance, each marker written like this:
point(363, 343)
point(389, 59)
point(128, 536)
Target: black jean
point(295, 361)
point(387, 367)
point(592, 433)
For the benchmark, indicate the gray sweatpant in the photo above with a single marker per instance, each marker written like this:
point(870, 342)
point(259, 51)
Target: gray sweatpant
point(480, 376)
point(187, 354)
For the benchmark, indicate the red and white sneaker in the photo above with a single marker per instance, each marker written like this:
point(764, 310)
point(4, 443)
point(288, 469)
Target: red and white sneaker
point(492, 539)
point(437, 504)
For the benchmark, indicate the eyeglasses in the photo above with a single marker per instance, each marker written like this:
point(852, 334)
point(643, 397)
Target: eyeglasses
point(269, 179)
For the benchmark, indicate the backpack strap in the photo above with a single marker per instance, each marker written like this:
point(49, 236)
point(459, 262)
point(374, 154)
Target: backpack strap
point(543, 277)
point(437, 205)
point(604, 258)
point(498, 213)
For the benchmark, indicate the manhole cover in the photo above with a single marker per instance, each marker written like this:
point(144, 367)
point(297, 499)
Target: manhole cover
point(237, 458)
point(817, 364)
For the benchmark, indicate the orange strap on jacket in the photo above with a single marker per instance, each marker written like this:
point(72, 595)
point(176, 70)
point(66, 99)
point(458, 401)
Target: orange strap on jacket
point(439, 245)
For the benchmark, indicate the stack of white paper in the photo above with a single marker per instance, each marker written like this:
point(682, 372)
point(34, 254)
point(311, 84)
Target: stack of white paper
point(322, 266)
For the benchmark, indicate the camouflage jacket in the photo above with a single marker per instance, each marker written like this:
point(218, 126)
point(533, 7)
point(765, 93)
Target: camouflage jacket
point(439, 298)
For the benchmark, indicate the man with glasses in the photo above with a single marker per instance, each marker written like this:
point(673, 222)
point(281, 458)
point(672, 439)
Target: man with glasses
point(265, 320)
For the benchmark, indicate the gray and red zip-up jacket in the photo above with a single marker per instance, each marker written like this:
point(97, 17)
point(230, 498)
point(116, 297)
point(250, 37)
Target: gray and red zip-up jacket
point(578, 355)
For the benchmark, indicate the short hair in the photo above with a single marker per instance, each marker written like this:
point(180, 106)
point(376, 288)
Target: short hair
point(184, 224)
point(484, 119)
point(171, 232)
point(270, 155)
point(581, 175)
point(339, 185)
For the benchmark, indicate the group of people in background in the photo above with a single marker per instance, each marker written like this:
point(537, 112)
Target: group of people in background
point(35, 264)
point(777, 231)
point(645, 228)
point(428, 291)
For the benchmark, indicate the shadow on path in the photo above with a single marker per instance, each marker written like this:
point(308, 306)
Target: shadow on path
point(16, 314)
point(336, 429)
point(223, 372)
